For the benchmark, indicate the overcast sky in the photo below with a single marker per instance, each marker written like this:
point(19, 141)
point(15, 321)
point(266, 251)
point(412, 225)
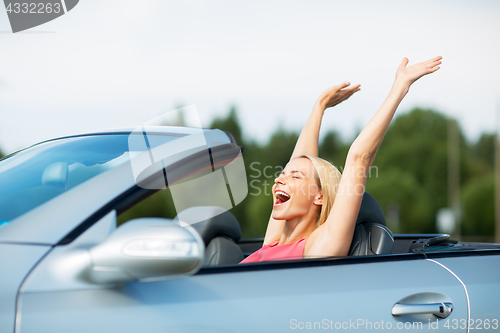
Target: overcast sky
point(116, 63)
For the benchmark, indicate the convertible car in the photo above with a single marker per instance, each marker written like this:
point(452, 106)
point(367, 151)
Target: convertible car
point(73, 257)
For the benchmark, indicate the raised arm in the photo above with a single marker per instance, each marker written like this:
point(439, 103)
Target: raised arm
point(368, 141)
point(334, 237)
point(307, 144)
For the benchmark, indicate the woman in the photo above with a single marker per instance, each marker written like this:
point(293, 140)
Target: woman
point(315, 209)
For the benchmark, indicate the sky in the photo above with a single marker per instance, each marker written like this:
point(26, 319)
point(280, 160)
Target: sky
point(118, 63)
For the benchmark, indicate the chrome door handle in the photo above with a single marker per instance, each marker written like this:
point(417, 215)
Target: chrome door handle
point(441, 310)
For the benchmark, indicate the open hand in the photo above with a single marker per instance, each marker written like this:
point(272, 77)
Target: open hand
point(410, 74)
point(337, 94)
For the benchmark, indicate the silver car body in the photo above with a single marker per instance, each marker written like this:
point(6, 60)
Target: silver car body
point(42, 289)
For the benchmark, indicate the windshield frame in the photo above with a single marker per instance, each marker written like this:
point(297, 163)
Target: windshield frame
point(41, 172)
point(120, 184)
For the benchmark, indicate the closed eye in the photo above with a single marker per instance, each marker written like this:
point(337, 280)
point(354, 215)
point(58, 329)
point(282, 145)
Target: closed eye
point(295, 173)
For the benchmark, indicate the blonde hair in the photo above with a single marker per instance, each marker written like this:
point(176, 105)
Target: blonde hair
point(328, 178)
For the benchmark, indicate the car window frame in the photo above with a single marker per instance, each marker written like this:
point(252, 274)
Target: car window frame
point(177, 171)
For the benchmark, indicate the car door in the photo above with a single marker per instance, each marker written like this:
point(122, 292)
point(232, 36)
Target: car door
point(16, 261)
point(344, 293)
point(479, 272)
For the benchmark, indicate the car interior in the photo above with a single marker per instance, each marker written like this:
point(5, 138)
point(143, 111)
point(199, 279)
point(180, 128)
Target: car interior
point(221, 233)
point(224, 246)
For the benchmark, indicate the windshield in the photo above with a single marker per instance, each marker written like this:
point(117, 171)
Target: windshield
point(40, 173)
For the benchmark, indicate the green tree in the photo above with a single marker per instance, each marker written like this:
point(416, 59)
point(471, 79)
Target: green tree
point(230, 123)
point(276, 153)
point(484, 149)
point(333, 149)
point(399, 189)
point(409, 177)
point(478, 188)
point(262, 163)
point(160, 204)
point(482, 154)
point(415, 148)
point(268, 161)
point(478, 199)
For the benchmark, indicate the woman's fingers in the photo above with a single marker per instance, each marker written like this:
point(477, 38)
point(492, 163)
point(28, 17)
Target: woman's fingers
point(409, 74)
point(434, 69)
point(338, 93)
point(433, 63)
point(341, 85)
point(351, 90)
point(434, 59)
point(338, 88)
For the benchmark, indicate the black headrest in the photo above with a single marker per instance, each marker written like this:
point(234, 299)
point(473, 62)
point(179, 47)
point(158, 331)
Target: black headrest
point(211, 221)
point(370, 211)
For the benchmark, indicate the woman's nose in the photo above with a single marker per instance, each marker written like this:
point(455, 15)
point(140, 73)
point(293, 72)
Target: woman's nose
point(279, 180)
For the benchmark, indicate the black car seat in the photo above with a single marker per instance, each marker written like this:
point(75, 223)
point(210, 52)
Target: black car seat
point(220, 231)
point(371, 236)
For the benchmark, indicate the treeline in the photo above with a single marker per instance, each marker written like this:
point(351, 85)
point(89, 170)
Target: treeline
point(409, 176)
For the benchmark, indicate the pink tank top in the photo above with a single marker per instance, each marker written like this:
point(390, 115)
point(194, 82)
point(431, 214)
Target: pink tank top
point(274, 251)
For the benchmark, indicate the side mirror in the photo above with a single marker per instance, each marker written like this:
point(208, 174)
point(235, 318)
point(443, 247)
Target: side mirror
point(146, 249)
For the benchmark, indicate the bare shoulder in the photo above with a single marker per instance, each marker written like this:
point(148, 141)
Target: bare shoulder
point(312, 240)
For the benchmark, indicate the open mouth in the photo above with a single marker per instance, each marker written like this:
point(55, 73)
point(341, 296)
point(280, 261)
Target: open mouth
point(281, 197)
